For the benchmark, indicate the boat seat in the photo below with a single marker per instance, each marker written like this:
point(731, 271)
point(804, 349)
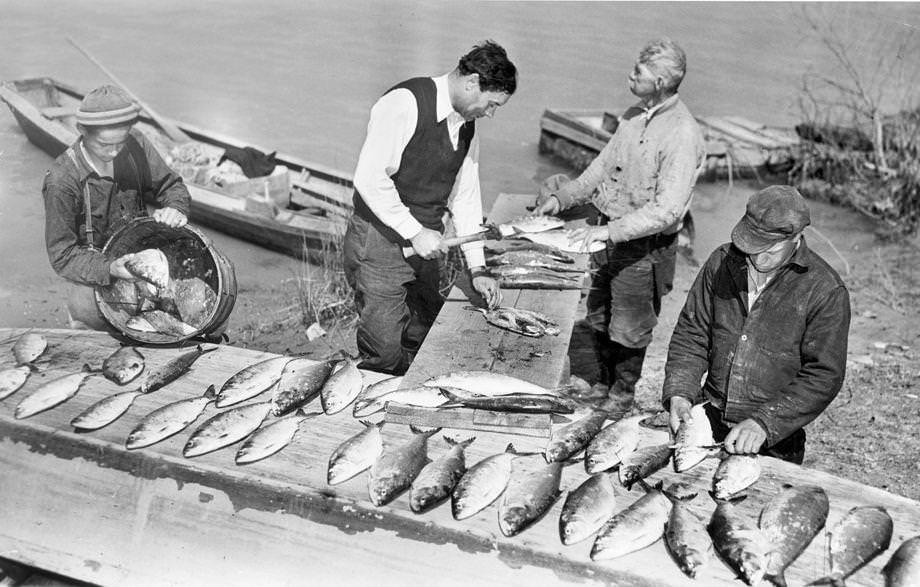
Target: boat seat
point(59, 111)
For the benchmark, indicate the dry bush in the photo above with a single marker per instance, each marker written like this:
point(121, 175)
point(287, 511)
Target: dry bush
point(324, 295)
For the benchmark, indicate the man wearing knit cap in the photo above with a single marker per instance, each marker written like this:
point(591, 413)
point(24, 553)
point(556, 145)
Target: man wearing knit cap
point(766, 322)
point(112, 171)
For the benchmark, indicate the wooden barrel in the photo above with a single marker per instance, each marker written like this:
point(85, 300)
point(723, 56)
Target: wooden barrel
point(193, 259)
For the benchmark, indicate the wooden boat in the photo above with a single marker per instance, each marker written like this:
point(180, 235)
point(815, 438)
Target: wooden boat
point(301, 209)
point(735, 147)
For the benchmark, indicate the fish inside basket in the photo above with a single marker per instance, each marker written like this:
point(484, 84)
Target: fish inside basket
point(200, 294)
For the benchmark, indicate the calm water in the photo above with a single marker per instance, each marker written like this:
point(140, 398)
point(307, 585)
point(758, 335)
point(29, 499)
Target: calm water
point(300, 77)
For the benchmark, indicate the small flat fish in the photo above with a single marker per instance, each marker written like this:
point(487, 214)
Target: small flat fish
point(12, 379)
point(687, 537)
point(29, 347)
point(272, 437)
point(790, 521)
point(863, 534)
point(739, 542)
point(482, 484)
point(226, 428)
point(693, 440)
point(301, 381)
point(903, 568)
point(612, 444)
point(172, 370)
point(166, 323)
point(167, 420)
point(105, 411)
point(530, 493)
point(151, 265)
point(251, 381)
point(643, 462)
point(140, 324)
point(426, 397)
point(342, 387)
point(51, 394)
point(572, 438)
point(735, 473)
point(587, 508)
point(559, 239)
point(355, 455)
point(123, 366)
point(439, 477)
point(638, 526)
point(487, 383)
point(397, 466)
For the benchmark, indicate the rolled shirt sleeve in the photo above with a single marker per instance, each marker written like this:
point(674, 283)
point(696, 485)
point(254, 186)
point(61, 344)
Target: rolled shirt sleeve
point(465, 204)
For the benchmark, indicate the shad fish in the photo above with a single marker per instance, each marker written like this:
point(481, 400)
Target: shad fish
point(863, 534)
point(487, 383)
point(533, 258)
point(52, 393)
point(397, 466)
point(559, 239)
point(105, 411)
point(251, 381)
point(151, 265)
point(739, 542)
point(355, 454)
point(639, 525)
point(379, 388)
point(12, 379)
point(172, 370)
point(300, 383)
point(342, 387)
point(612, 444)
point(587, 508)
point(522, 322)
point(29, 347)
point(271, 438)
point(511, 277)
point(123, 366)
point(531, 224)
point(643, 462)
point(167, 323)
point(439, 477)
point(694, 441)
point(426, 397)
point(167, 420)
point(530, 493)
point(686, 534)
point(482, 484)
point(790, 521)
point(903, 568)
point(226, 428)
point(735, 473)
point(572, 438)
point(140, 324)
point(514, 402)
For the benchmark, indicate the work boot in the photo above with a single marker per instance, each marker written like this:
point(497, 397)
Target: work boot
point(604, 350)
point(626, 367)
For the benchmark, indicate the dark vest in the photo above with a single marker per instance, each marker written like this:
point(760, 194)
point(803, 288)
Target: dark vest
point(429, 164)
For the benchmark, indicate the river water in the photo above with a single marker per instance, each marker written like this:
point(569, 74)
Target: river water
point(300, 77)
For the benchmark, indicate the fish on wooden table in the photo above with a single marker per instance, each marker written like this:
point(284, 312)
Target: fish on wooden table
point(342, 387)
point(560, 239)
point(397, 466)
point(173, 369)
point(860, 536)
point(531, 224)
point(421, 396)
point(273, 437)
point(570, 439)
point(356, 454)
point(903, 568)
point(532, 258)
point(638, 526)
point(151, 265)
point(694, 441)
point(522, 322)
point(52, 393)
point(740, 543)
point(251, 381)
point(482, 484)
point(734, 474)
point(167, 420)
point(612, 444)
point(105, 411)
point(530, 493)
point(300, 383)
point(439, 477)
point(526, 403)
point(487, 383)
point(124, 365)
point(587, 508)
point(12, 378)
point(686, 535)
point(641, 463)
point(29, 347)
point(517, 277)
point(226, 428)
point(382, 387)
point(790, 521)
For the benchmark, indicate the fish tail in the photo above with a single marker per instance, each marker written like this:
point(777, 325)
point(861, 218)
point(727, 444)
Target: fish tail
point(428, 433)
point(462, 444)
point(834, 580)
point(779, 579)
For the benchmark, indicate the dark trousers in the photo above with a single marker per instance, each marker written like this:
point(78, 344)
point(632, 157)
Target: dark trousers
point(791, 448)
point(397, 298)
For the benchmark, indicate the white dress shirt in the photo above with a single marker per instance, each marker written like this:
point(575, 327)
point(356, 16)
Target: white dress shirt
point(391, 126)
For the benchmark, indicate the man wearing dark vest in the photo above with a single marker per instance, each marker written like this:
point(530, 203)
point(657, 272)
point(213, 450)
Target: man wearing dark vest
point(112, 171)
point(420, 161)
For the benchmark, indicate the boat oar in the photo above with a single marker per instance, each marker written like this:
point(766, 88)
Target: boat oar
point(172, 131)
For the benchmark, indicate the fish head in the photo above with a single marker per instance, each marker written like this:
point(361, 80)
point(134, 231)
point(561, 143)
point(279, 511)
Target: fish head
point(513, 520)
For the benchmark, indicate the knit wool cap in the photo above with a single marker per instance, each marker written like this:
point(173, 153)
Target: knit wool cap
point(106, 106)
point(775, 213)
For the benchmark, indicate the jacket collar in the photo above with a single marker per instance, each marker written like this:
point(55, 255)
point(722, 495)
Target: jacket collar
point(77, 154)
point(443, 107)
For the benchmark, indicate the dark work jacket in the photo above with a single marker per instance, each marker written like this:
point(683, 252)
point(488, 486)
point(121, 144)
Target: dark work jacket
point(781, 362)
point(429, 164)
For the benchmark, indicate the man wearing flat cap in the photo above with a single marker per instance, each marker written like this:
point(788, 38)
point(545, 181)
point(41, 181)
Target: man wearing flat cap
point(766, 322)
point(99, 184)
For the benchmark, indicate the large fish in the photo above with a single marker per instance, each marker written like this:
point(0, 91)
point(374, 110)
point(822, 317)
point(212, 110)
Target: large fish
point(739, 542)
point(487, 383)
point(572, 438)
point(522, 322)
point(903, 568)
point(226, 428)
point(529, 494)
point(29, 347)
point(482, 484)
point(151, 265)
point(735, 473)
point(172, 370)
point(612, 444)
point(422, 396)
point(686, 534)
point(694, 442)
point(528, 403)
point(272, 437)
point(559, 239)
point(251, 381)
point(439, 477)
point(355, 454)
point(643, 462)
point(167, 420)
point(587, 508)
point(342, 387)
point(531, 258)
point(12, 379)
point(515, 277)
point(300, 383)
point(638, 526)
point(105, 411)
point(123, 366)
point(381, 387)
point(863, 534)
point(52, 393)
point(397, 466)
point(790, 521)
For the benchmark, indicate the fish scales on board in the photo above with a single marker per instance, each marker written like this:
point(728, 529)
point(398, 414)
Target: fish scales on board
point(487, 383)
point(482, 484)
point(174, 369)
point(530, 494)
point(342, 387)
point(612, 444)
point(693, 441)
point(12, 379)
point(167, 420)
point(903, 568)
point(397, 466)
point(251, 381)
point(526, 403)
point(226, 428)
point(860, 536)
point(439, 477)
point(587, 508)
point(790, 521)
point(740, 543)
point(356, 454)
point(734, 474)
point(124, 365)
point(638, 526)
point(271, 438)
point(300, 383)
point(52, 393)
point(643, 462)
point(686, 535)
point(29, 347)
point(571, 439)
point(105, 411)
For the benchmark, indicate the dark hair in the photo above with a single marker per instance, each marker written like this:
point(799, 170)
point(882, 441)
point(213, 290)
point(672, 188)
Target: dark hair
point(490, 61)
